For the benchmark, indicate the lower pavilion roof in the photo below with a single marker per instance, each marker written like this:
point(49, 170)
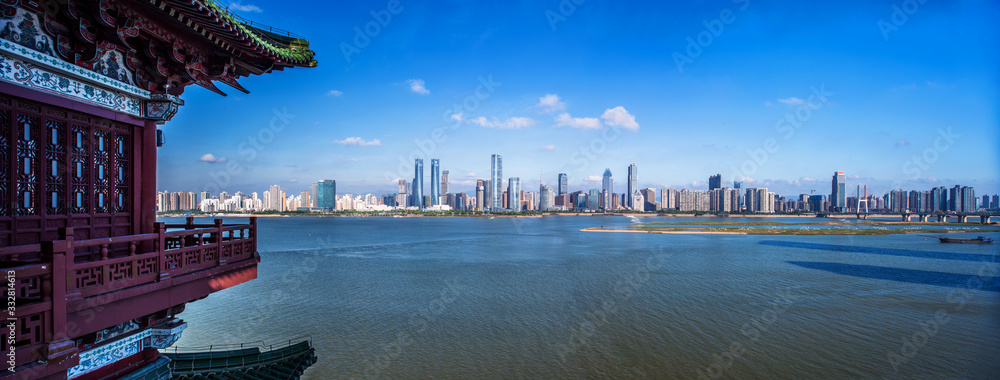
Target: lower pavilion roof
point(251, 363)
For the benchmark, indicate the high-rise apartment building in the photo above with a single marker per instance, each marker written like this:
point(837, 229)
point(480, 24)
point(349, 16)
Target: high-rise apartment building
point(275, 201)
point(649, 199)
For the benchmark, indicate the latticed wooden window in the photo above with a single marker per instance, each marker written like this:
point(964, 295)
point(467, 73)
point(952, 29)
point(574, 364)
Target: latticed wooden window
point(61, 168)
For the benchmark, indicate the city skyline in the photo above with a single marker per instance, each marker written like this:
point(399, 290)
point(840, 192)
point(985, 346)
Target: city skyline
point(913, 106)
point(512, 197)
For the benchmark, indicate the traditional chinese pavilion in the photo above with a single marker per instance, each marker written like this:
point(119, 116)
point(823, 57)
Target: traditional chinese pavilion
point(93, 282)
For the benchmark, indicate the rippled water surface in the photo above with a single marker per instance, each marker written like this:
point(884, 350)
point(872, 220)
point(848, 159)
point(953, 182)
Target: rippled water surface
point(537, 298)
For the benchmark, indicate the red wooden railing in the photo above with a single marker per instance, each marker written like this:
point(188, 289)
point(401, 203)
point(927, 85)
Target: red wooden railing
point(44, 288)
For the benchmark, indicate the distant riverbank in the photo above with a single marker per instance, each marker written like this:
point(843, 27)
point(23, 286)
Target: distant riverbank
point(476, 215)
point(779, 228)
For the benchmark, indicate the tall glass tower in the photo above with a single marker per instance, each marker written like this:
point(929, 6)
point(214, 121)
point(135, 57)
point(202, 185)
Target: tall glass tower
point(633, 185)
point(514, 193)
point(326, 194)
point(738, 185)
point(563, 184)
point(435, 181)
point(496, 181)
point(715, 182)
point(838, 194)
point(417, 195)
point(606, 189)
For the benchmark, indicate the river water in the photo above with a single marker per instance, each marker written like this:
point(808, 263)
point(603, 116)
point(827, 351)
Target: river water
point(461, 298)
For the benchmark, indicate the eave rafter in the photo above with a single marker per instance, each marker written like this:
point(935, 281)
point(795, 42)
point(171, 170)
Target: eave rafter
point(161, 46)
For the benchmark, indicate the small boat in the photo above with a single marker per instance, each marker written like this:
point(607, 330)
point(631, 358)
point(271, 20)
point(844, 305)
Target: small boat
point(978, 240)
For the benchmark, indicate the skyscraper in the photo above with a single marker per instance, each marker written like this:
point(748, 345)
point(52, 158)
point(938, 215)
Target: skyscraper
point(514, 193)
point(274, 198)
point(649, 199)
point(838, 195)
point(480, 195)
point(326, 194)
point(435, 181)
point(444, 182)
point(633, 185)
point(496, 181)
point(315, 195)
point(955, 198)
point(715, 182)
point(968, 199)
point(606, 188)
point(563, 184)
point(738, 186)
point(593, 199)
point(417, 194)
point(546, 198)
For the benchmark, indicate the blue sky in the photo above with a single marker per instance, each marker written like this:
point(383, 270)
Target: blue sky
point(895, 94)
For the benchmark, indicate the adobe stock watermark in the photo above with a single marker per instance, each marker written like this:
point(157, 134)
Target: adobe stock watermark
point(925, 330)
point(562, 11)
point(899, 16)
point(585, 154)
point(624, 289)
point(713, 29)
point(916, 165)
point(452, 115)
point(419, 322)
point(363, 36)
point(793, 121)
point(249, 149)
point(751, 332)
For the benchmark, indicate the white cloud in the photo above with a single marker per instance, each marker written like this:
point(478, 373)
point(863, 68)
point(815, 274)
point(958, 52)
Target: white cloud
point(619, 117)
point(551, 103)
point(293, 180)
point(792, 101)
point(342, 159)
point(211, 158)
point(593, 178)
point(767, 103)
point(245, 8)
point(565, 120)
point(470, 174)
point(902, 143)
point(510, 123)
point(357, 141)
point(549, 147)
point(335, 93)
point(417, 86)
point(807, 179)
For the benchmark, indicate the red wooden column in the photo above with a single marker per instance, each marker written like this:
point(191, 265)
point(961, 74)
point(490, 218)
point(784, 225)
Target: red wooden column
point(218, 242)
point(253, 234)
point(145, 177)
point(161, 247)
point(61, 347)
